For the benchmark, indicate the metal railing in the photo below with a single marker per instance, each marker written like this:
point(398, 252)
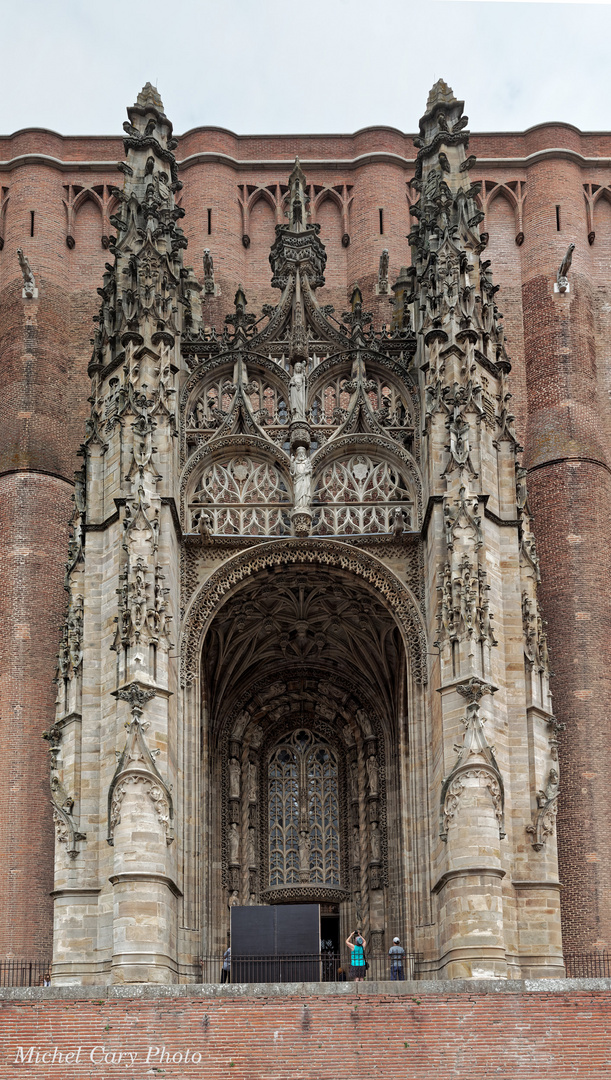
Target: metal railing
point(315, 967)
point(310, 967)
point(24, 972)
point(594, 965)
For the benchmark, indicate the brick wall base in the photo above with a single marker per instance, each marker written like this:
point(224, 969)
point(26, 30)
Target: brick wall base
point(415, 1031)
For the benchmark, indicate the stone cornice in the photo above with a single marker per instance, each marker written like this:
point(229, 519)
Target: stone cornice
point(281, 165)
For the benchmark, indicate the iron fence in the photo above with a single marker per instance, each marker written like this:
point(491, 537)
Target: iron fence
point(310, 967)
point(24, 972)
point(315, 967)
point(595, 965)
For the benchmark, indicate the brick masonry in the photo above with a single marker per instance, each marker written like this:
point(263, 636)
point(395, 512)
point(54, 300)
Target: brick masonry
point(515, 1031)
point(561, 382)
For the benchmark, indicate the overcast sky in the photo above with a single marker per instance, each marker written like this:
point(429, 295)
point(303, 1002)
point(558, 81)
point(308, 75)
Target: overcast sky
point(302, 65)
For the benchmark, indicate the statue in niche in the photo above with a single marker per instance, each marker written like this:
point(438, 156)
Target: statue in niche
point(234, 778)
point(252, 856)
point(234, 899)
point(356, 846)
point(251, 782)
point(354, 781)
point(363, 720)
point(234, 844)
point(373, 774)
point(301, 473)
point(297, 392)
point(375, 841)
point(304, 854)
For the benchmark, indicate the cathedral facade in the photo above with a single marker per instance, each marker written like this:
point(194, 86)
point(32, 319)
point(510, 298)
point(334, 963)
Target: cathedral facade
point(305, 654)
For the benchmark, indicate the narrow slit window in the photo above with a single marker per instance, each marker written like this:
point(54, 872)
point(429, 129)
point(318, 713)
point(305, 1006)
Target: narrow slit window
point(381, 213)
point(557, 219)
point(209, 221)
point(31, 222)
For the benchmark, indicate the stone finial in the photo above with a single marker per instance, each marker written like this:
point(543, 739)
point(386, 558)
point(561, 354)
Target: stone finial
point(440, 94)
point(149, 96)
point(298, 199)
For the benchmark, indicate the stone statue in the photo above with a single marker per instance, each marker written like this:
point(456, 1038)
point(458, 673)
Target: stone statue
point(373, 775)
point(252, 782)
point(252, 857)
point(301, 473)
point(234, 844)
point(563, 270)
point(234, 778)
point(375, 841)
point(208, 273)
point(234, 898)
point(29, 285)
point(297, 392)
point(398, 521)
point(383, 272)
point(551, 789)
point(354, 781)
point(304, 852)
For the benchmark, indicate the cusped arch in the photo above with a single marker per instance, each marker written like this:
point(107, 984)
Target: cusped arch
point(386, 449)
point(392, 592)
point(221, 450)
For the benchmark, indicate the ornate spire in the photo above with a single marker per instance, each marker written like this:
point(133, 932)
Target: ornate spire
point(298, 199)
point(297, 244)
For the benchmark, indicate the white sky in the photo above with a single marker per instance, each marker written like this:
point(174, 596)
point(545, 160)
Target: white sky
point(269, 66)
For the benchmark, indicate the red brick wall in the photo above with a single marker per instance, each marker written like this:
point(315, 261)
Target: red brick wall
point(417, 1036)
point(34, 510)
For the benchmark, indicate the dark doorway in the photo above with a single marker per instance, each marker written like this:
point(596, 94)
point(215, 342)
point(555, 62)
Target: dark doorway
point(275, 943)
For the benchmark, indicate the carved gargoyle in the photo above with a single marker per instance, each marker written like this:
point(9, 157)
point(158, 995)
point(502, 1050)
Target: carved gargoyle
point(29, 284)
point(563, 270)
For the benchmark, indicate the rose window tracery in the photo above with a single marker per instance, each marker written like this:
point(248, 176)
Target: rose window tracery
point(303, 808)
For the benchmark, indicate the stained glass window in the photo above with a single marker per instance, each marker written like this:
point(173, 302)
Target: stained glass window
point(303, 812)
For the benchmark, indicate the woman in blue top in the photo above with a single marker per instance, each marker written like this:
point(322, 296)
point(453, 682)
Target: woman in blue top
point(357, 960)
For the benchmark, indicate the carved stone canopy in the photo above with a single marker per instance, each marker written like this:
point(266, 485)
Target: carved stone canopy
point(323, 622)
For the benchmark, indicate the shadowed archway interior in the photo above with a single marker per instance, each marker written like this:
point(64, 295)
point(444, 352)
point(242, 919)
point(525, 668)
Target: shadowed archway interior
point(304, 681)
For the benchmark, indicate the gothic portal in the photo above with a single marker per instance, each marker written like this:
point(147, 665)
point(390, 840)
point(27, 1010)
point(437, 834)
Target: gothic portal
point(303, 659)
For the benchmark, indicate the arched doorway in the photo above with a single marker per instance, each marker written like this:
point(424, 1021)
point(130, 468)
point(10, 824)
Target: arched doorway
point(304, 682)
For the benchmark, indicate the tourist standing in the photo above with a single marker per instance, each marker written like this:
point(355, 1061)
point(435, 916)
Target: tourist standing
point(397, 954)
point(357, 960)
